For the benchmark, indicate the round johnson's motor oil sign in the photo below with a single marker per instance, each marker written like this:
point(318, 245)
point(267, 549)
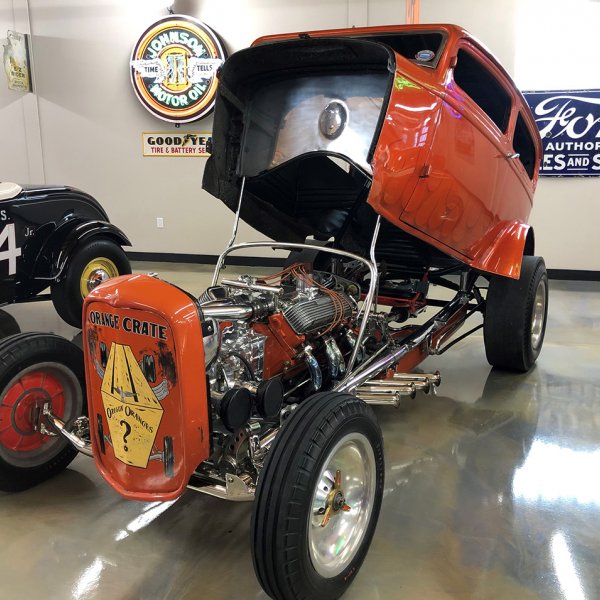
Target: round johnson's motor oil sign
point(173, 68)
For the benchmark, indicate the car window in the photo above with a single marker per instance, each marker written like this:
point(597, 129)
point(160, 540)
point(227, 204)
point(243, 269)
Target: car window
point(524, 146)
point(423, 48)
point(477, 81)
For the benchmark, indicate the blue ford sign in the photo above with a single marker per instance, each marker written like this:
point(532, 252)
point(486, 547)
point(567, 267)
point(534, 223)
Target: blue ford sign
point(569, 123)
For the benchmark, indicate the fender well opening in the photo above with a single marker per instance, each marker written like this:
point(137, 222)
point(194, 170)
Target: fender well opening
point(529, 249)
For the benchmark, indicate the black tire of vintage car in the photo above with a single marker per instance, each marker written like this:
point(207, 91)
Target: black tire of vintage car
point(60, 237)
point(515, 317)
point(35, 369)
point(327, 457)
point(94, 261)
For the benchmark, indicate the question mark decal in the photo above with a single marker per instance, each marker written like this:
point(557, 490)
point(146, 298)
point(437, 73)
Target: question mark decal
point(127, 432)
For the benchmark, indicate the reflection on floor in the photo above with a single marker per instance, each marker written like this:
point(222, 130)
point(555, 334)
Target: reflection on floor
point(492, 491)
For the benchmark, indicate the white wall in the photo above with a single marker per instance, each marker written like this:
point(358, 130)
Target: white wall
point(20, 151)
point(91, 122)
point(556, 46)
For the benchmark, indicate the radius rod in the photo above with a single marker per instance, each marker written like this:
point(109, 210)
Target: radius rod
point(446, 319)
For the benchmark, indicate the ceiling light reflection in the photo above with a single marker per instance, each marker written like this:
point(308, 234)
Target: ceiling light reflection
point(151, 512)
point(565, 569)
point(555, 473)
point(89, 580)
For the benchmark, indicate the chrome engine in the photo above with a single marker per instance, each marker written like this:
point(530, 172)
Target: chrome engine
point(315, 306)
point(276, 339)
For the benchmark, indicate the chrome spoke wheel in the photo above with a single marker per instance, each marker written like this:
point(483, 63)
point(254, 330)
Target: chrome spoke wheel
point(342, 504)
point(538, 315)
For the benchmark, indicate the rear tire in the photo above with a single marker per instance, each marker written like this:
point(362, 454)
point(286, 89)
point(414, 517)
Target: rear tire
point(321, 487)
point(90, 264)
point(36, 368)
point(515, 317)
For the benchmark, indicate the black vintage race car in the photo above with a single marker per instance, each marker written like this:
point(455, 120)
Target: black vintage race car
point(60, 237)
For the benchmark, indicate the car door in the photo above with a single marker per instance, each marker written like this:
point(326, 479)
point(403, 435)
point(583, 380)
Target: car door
point(469, 178)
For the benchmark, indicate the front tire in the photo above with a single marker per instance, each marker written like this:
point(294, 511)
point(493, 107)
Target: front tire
point(515, 317)
point(35, 369)
point(91, 263)
point(318, 499)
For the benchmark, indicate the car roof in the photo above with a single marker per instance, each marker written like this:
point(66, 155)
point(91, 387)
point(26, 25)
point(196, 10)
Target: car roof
point(453, 32)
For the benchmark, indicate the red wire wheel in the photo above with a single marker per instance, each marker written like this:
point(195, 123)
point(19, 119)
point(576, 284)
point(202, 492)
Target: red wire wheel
point(22, 406)
point(36, 369)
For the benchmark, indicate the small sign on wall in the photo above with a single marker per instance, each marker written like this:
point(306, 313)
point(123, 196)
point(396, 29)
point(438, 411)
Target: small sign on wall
point(16, 61)
point(176, 144)
point(569, 123)
point(174, 67)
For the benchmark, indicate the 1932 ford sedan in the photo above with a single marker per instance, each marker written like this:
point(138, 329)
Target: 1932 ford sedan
point(383, 160)
point(56, 236)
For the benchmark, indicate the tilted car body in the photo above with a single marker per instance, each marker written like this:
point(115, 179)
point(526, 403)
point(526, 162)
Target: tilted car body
point(45, 232)
point(383, 160)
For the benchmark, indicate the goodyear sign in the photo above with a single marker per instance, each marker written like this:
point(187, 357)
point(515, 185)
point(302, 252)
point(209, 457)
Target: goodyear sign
point(569, 124)
point(176, 144)
point(173, 68)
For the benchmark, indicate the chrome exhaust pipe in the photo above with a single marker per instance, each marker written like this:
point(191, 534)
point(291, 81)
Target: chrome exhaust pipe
point(382, 388)
point(224, 311)
point(422, 386)
point(380, 399)
point(432, 378)
point(373, 393)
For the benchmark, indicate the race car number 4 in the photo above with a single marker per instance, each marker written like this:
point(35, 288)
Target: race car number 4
point(11, 252)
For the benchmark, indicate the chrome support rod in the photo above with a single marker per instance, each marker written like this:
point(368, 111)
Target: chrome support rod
point(351, 383)
point(234, 231)
point(372, 253)
point(373, 261)
point(83, 446)
point(410, 343)
point(233, 488)
point(369, 299)
point(368, 302)
point(371, 359)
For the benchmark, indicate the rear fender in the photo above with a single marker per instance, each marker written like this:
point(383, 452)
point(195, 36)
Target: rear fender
point(61, 245)
point(146, 386)
point(501, 251)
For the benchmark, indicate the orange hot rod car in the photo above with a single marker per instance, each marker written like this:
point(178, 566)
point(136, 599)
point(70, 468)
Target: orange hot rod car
point(384, 160)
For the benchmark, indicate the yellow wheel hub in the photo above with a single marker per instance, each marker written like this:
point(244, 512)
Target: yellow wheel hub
point(95, 272)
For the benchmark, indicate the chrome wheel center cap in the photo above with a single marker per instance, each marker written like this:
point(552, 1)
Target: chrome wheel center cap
point(96, 278)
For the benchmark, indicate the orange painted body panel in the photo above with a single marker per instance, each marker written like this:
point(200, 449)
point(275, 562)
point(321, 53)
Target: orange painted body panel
point(403, 146)
point(440, 166)
point(149, 424)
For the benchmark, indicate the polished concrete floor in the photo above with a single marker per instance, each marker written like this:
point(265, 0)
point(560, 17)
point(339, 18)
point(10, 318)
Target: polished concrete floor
point(492, 491)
